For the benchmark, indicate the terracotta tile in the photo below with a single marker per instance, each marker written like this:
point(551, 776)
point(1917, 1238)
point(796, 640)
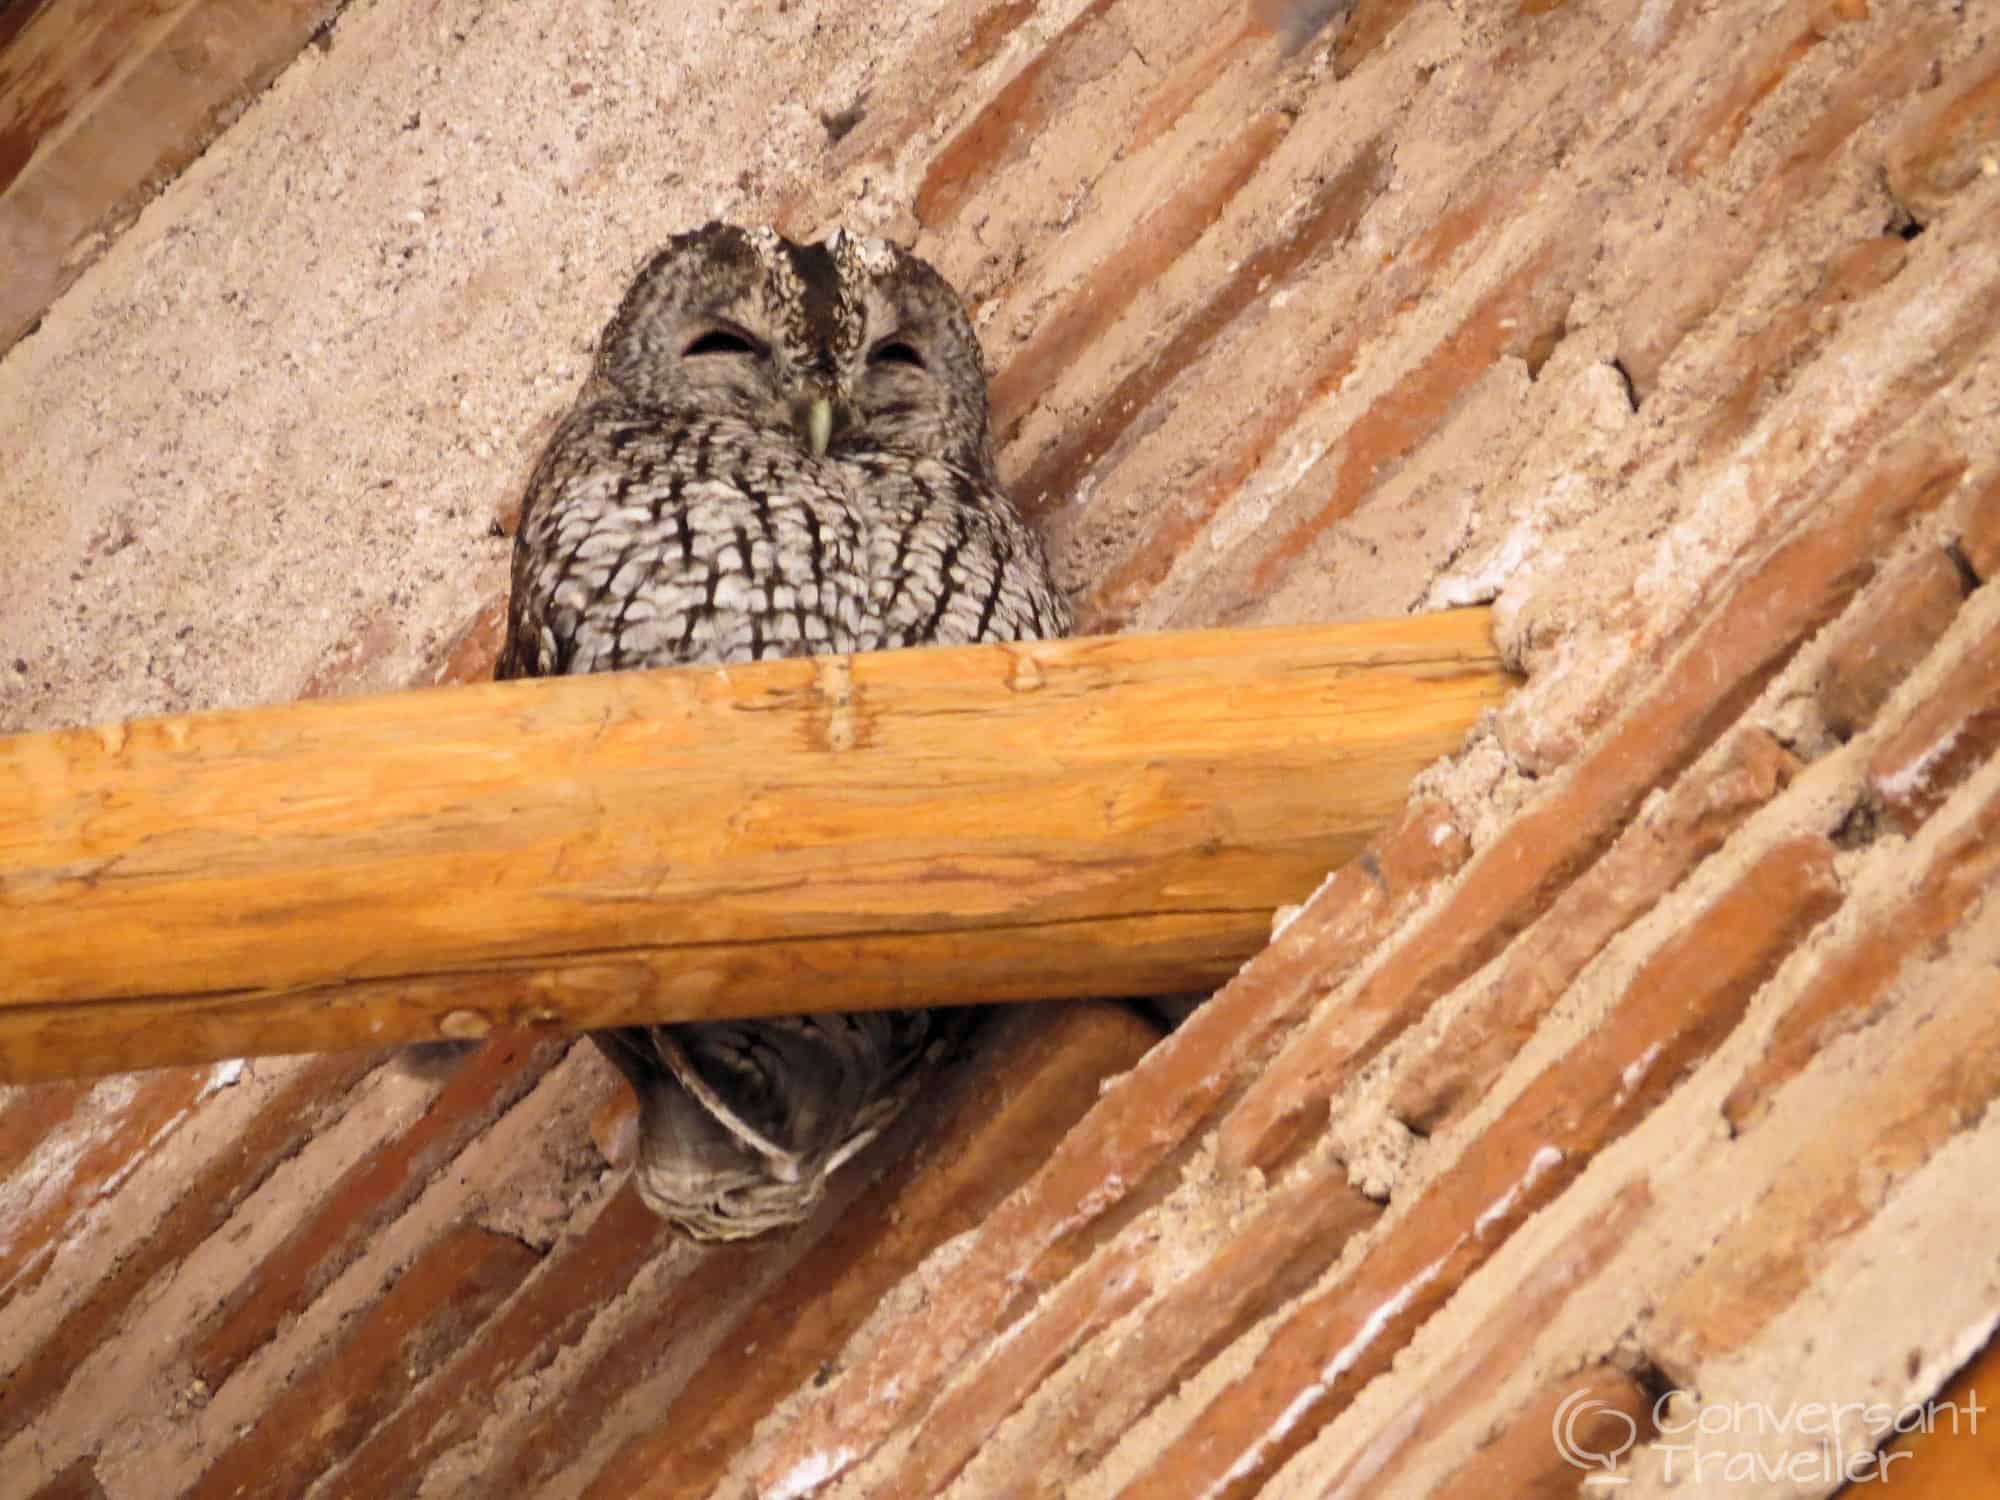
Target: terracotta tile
point(1522, 317)
point(431, 1308)
point(74, 170)
point(1336, 208)
point(990, 32)
point(1076, 1218)
point(369, 1195)
point(1979, 526)
point(108, 1143)
point(1283, 1106)
point(1765, 607)
point(29, 1113)
point(1766, 59)
point(1117, 1153)
point(1100, 1292)
point(1193, 78)
point(1271, 1258)
point(1953, 733)
point(1858, 1147)
point(614, 1127)
point(1698, 813)
point(1083, 51)
point(1496, 1349)
point(366, 643)
point(1596, 1411)
point(1680, 291)
point(297, 1109)
point(580, 1275)
point(1272, 17)
point(77, 1482)
point(1849, 988)
point(711, 1290)
point(1156, 242)
point(1681, 1005)
point(1899, 67)
point(469, 655)
point(1367, 27)
point(1757, 369)
point(1771, 611)
point(1949, 141)
point(1034, 1074)
point(1894, 468)
point(884, 134)
point(1914, 605)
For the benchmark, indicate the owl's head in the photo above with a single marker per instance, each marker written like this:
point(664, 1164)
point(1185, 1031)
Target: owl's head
point(851, 345)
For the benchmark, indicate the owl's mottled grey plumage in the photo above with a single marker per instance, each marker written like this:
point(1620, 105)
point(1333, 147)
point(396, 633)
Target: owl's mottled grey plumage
point(782, 450)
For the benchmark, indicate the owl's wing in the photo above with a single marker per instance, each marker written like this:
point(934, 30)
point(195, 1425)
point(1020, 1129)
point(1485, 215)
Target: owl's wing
point(948, 560)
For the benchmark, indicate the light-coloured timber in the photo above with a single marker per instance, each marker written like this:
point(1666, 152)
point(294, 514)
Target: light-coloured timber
point(1104, 816)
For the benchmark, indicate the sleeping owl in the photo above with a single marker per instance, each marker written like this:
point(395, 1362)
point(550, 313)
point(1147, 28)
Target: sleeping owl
point(782, 450)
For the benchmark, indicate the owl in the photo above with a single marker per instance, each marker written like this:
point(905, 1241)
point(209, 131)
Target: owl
point(782, 449)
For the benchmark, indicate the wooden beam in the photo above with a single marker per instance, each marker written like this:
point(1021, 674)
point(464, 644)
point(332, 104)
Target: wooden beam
point(1104, 816)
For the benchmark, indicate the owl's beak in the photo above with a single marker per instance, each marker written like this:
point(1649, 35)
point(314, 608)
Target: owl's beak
point(819, 425)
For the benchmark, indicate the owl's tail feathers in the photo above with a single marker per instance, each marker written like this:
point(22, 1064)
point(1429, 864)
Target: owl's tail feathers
point(742, 1122)
point(433, 1061)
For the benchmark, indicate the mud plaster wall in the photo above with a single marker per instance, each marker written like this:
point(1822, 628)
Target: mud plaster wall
point(1611, 313)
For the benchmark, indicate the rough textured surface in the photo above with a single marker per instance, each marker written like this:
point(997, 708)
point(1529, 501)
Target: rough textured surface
point(1650, 1051)
point(101, 104)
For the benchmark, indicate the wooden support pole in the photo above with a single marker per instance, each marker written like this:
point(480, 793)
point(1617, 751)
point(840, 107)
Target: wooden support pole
point(1105, 816)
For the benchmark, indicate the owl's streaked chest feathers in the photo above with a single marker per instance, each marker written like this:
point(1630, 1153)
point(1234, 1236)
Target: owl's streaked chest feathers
point(710, 540)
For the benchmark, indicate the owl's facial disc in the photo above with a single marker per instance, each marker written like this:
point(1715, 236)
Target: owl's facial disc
point(701, 332)
point(915, 377)
point(850, 346)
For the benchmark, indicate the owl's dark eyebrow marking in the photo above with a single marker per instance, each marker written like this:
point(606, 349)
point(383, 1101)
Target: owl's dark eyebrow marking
point(821, 278)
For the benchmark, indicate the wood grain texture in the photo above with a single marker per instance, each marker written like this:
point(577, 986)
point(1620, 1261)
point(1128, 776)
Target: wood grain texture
point(1099, 816)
